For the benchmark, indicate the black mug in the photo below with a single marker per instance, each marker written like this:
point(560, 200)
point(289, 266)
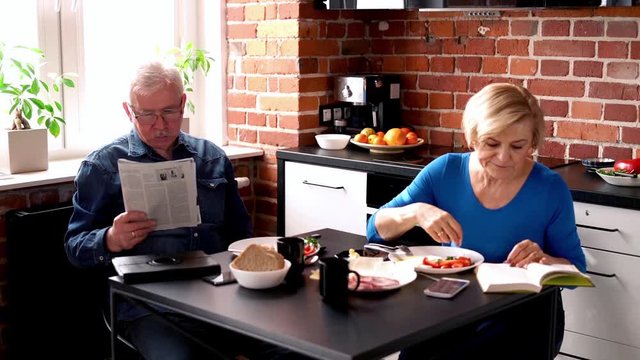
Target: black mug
point(334, 280)
point(292, 249)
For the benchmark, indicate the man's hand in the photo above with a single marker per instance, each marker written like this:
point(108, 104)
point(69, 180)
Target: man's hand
point(128, 229)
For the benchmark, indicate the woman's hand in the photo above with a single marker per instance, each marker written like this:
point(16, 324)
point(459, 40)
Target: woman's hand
point(128, 229)
point(439, 224)
point(527, 251)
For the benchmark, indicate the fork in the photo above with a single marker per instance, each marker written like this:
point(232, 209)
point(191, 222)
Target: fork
point(389, 249)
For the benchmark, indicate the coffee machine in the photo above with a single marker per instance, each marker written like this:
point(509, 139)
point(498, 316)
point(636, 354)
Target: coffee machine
point(368, 101)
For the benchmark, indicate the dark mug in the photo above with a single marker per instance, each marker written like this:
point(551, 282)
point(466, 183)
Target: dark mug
point(292, 249)
point(334, 280)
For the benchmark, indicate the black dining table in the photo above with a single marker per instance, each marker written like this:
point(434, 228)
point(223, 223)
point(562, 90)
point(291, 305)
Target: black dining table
point(371, 326)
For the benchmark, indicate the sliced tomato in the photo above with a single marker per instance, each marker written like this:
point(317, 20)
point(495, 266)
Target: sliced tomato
point(309, 249)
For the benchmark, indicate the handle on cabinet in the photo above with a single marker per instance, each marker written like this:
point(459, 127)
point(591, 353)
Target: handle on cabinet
point(596, 228)
point(600, 274)
point(324, 186)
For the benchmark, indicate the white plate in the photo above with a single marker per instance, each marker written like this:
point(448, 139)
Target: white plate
point(387, 149)
point(404, 273)
point(419, 252)
point(239, 246)
point(618, 180)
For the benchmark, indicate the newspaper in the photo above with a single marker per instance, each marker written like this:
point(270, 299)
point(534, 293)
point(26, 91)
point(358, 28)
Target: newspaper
point(165, 190)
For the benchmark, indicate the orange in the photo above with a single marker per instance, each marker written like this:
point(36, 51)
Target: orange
point(412, 138)
point(361, 138)
point(367, 131)
point(379, 140)
point(380, 133)
point(405, 130)
point(395, 137)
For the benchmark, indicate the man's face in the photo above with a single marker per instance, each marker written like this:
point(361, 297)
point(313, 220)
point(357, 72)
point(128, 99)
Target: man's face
point(157, 117)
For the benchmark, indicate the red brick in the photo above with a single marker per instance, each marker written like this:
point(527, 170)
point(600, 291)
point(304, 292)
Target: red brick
point(635, 50)
point(613, 49)
point(416, 28)
point(612, 152)
point(442, 83)
point(393, 64)
point(275, 138)
point(494, 65)
point(408, 81)
point(570, 48)
point(440, 101)
point(624, 29)
point(338, 66)
point(414, 99)
point(236, 117)
point(557, 88)
point(615, 91)
point(619, 112)
point(238, 100)
point(519, 47)
point(355, 47)
point(622, 70)
point(410, 46)
point(467, 27)
point(355, 30)
point(469, 64)
point(461, 101)
point(586, 110)
point(439, 137)
point(306, 66)
point(587, 69)
point(476, 83)
point(527, 67)
point(310, 47)
point(336, 30)
point(451, 120)
point(242, 31)
point(235, 13)
point(552, 149)
point(524, 27)
point(441, 29)
point(417, 63)
point(588, 28)
point(587, 131)
point(554, 108)
point(475, 46)
point(248, 136)
point(384, 47)
point(631, 135)
point(582, 151)
point(555, 28)
point(442, 64)
point(554, 67)
point(256, 119)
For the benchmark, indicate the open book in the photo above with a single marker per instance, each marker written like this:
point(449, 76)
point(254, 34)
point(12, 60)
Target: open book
point(506, 278)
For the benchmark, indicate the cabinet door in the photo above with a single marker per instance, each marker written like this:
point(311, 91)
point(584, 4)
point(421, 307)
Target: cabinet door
point(318, 197)
point(604, 322)
point(608, 228)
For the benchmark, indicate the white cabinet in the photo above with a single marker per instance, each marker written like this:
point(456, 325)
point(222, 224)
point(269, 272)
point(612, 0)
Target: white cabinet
point(318, 197)
point(604, 322)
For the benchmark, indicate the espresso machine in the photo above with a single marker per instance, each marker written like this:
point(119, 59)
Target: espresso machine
point(368, 101)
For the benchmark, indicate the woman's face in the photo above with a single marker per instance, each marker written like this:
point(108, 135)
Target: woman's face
point(504, 155)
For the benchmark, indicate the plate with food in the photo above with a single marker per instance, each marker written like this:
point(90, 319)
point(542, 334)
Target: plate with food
point(239, 246)
point(377, 275)
point(443, 259)
point(387, 149)
point(618, 177)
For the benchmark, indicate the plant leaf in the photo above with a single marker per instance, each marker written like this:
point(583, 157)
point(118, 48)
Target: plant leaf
point(58, 105)
point(54, 128)
point(37, 102)
point(27, 109)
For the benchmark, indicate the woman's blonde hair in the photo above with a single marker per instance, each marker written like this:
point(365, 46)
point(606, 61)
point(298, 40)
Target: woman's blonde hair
point(498, 106)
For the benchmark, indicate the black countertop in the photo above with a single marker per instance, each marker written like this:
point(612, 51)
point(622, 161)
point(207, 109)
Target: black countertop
point(584, 186)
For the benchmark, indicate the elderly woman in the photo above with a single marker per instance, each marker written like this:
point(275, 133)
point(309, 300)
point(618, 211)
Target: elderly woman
point(495, 199)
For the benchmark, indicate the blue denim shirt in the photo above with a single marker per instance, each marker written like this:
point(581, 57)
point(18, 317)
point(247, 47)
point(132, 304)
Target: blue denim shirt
point(98, 200)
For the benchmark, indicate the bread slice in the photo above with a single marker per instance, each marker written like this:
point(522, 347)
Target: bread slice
point(258, 258)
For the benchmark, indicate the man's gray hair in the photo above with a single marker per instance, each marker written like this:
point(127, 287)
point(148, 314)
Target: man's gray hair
point(154, 75)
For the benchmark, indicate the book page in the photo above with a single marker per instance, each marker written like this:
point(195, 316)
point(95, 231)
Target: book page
point(504, 278)
point(166, 191)
point(558, 274)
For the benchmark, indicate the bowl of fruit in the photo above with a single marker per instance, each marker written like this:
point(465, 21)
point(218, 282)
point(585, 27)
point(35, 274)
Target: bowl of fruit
point(393, 141)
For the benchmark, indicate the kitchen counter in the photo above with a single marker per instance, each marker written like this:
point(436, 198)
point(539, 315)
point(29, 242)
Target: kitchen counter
point(584, 186)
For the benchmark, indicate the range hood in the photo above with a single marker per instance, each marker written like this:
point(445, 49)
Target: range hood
point(466, 4)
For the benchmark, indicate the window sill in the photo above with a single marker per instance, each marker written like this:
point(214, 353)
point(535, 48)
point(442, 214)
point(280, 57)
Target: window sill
point(61, 171)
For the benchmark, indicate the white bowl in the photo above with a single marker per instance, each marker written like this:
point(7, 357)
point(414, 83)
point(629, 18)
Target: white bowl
point(260, 279)
point(333, 141)
point(617, 180)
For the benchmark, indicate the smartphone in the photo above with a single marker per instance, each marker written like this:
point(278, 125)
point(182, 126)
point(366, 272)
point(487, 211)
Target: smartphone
point(446, 287)
point(225, 277)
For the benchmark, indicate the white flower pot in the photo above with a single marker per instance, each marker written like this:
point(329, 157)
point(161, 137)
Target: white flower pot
point(24, 150)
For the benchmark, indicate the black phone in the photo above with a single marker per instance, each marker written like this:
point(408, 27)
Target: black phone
point(446, 287)
point(225, 277)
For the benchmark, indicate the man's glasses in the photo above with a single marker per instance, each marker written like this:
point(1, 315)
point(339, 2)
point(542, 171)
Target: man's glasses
point(150, 117)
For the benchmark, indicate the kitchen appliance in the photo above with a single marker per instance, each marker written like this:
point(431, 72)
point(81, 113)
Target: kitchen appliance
point(369, 101)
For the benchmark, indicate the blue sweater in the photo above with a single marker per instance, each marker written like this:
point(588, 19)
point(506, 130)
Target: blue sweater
point(542, 211)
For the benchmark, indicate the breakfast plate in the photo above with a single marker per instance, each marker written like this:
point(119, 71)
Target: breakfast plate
point(618, 180)
point(387, 149)
point(420, 252)
point(377, 275)
point(239, 246)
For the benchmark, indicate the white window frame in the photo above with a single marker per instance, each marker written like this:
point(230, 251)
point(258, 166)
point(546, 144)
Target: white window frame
point(60, 33)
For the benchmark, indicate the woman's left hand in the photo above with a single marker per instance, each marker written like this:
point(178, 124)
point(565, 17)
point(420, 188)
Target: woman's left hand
point(524, 253)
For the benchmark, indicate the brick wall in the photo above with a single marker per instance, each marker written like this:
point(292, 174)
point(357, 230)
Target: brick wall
point(583, 65)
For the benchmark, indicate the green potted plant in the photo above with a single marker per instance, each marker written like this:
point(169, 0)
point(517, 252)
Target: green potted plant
point(23, 148)
point(189, 61)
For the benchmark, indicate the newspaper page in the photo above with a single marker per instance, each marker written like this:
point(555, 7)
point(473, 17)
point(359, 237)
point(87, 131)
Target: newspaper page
point(165, 190)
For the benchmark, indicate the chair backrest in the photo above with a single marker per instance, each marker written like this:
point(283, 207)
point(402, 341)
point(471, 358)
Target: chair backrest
point(60, 307)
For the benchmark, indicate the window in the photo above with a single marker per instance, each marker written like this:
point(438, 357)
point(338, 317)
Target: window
point(103, 42)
